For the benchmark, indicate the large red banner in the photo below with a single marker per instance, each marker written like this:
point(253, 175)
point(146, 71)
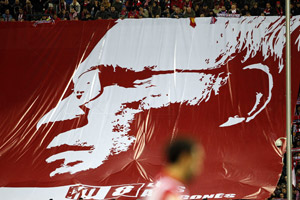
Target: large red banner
point(87, 107)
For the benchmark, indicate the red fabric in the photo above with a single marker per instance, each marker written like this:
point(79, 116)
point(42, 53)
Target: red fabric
point(40, 61)
point(62, 49)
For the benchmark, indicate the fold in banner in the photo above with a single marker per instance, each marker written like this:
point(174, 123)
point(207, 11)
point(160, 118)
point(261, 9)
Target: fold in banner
point(87, 107)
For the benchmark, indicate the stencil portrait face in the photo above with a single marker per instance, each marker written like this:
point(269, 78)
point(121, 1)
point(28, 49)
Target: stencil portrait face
point(153, 68)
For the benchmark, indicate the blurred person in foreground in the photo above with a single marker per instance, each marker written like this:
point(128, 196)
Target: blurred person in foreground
point(184, 161)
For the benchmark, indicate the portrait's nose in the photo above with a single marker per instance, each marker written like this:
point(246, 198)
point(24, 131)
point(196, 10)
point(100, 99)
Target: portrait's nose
point(79, 94)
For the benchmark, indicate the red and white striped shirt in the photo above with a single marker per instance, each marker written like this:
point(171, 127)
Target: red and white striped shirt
point(166, 187)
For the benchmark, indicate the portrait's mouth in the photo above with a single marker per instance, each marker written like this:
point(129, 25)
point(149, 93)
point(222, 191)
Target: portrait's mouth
point(79, 96)
point(65, 148)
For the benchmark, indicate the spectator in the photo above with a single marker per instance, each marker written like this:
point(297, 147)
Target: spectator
point(28, 8)
point(295, 194)
point(197, 3)
point(188, 3)
point(281, 195)
point(209, 3)
point(248, 14)
point(143, 12)
point(84, 13)
point(50, 11)
point(138, 3)
point(102, 13)
point(73, 14)
point(62, 5)
point(248, 2)
point(277, 191)
point(273, 196)
point(113, 14)
point(44, 17)
point(255, 11)
point(88, 17)
point(106, 4)
point(173, 8)
point(223, 10)
point(227, 4)
point(118, 5)
point(217, 9)
point(183, 10)
point(212, 14)
point(298, 110)
point(133, 13)
point(197, 10)
point(56, 18)
point(234, 9)
point(7, 16)
point(129, 4)
point(279, 10)
point(284, 192)
point(205, 11)
point(64, 15)
point(95, 8)
point(86, 4)
point(189, 13)
point(166, 13)
point(47, 4)
point(124, 12)
point(16, 8)
point(155, 10)
point(76, 6)
point(5, 6)
point(292, 9)
point(268, 10)
point(245, 10)
point(177, 3)
point(165, 4)
point(297, 9)
point(21, 16)
point(177, 13)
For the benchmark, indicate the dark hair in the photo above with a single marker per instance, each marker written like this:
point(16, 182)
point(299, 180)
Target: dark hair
point(177, 148)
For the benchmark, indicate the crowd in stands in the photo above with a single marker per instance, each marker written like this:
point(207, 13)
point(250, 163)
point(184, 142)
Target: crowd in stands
point(281, 189)
point(34, 10)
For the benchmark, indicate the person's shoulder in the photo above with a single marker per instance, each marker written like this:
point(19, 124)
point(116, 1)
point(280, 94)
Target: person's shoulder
point(171, 196)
